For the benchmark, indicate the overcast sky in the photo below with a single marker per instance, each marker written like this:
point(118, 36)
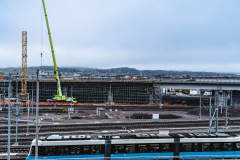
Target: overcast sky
point(195, 35)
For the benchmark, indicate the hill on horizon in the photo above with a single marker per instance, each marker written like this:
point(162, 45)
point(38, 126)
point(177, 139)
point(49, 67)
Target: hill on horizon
point(119, 71)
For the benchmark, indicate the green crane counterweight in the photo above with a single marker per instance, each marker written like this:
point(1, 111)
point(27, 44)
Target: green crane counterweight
point(59, 97)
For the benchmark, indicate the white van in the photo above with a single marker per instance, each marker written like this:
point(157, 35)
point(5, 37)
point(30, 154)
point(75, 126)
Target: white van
point(207, 93)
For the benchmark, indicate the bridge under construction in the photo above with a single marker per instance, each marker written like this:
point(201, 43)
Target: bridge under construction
point(111, 92)
point(88, 92)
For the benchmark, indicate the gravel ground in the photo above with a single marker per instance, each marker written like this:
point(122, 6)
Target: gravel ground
point(89, 117)
point(118, 116)
point(232, 111)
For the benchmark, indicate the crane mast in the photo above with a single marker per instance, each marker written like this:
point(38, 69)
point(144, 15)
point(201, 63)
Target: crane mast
point(24, 63)
point(59, 96)
point(23, 95)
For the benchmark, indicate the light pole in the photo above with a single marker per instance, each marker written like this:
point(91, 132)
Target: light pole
point(210, 116)
point(28, 118)
point(32, 103)
point(36, 147)
point(160, 97)
point(216, 109)
point(9, 125)
point(200, 112)
point(226, 117)
point(71, 96)
point(4, 95)
point(17, 112)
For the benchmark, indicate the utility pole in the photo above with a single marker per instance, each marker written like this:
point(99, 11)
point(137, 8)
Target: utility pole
point(1, 97)
point(32, 103)
point(9, 127)
point(222, 100)
point(71, 96)
point(216, 109)
point(226, 117)
point(165, 95)
point(17, 114)
point(160, 97)
point(110, 96)
point(41, 61)
point(4, 95)
point(231, 98)
point(200, 111)
point(210, 116)
point(36, 147)
point(28, 118)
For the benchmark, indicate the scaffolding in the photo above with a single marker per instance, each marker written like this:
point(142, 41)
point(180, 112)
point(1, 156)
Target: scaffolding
point(100, 92)
point(92, 92)
point(126, 92)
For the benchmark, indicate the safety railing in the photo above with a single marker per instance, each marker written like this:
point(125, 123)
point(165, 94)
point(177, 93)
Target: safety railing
point(211, 80)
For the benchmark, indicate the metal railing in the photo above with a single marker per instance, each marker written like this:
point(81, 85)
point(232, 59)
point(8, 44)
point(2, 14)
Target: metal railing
point(235, 80)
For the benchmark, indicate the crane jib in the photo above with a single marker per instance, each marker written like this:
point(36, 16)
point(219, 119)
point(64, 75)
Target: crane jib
point(59, 96)
point(59, 92)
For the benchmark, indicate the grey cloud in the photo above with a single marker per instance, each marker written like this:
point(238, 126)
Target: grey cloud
point(136, 33)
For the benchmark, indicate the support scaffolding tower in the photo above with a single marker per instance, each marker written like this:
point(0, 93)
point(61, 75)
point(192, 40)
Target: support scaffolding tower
point(94, 92)
point(98, 92)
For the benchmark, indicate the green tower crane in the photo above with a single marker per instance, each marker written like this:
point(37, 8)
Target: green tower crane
point(59, 97)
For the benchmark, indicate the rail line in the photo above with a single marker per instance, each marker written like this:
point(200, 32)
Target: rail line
point(24, 145)
point(59, 109)
point(96, 128)
point(113, 126)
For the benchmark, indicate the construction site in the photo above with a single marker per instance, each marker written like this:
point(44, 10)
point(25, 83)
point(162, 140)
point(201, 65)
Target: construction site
point(22, 87)
point(106, 107)
point(88, 92)
point(104, 93)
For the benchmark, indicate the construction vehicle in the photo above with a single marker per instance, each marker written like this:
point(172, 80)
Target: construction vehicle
point(59, 97)
point(65, 110)
point(207, 93)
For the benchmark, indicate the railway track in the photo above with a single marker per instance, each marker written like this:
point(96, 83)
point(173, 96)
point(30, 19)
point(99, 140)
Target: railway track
point(59, 109)
point(63, 129)
point(114, 126)
point(24, 145)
